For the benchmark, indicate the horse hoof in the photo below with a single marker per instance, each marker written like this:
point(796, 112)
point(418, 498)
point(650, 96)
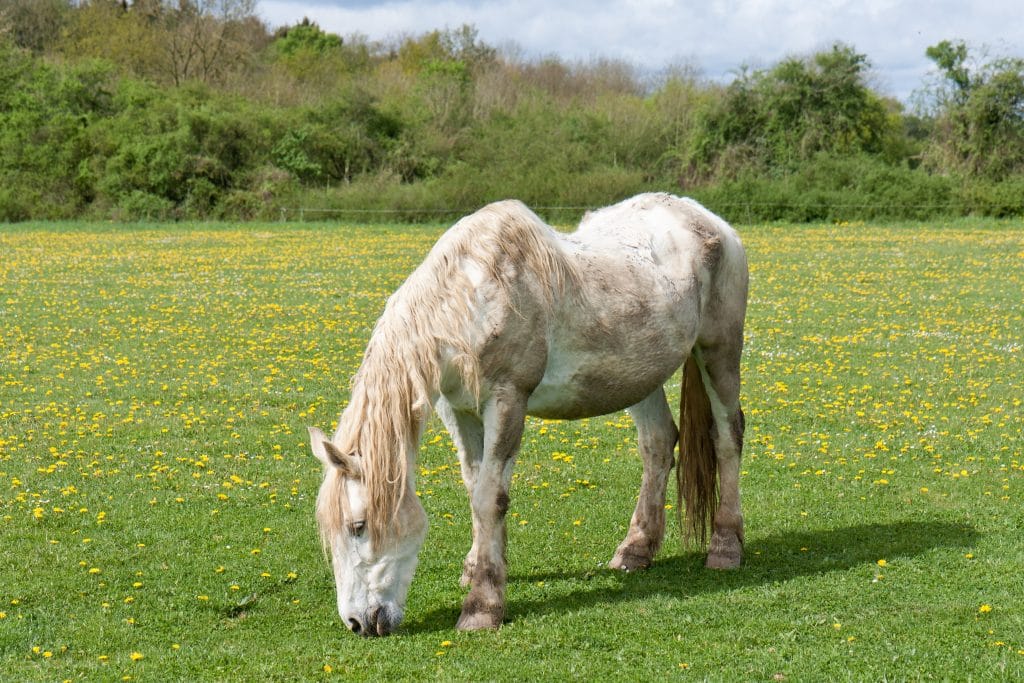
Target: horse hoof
point(480, 621)
point(627, 561)
point(724, 553)
point(723, 561)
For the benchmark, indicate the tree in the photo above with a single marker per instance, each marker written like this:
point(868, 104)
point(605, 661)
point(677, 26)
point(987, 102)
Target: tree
point(951, 58)
point(979, 128)
point(173, 43)
point(306, 36)
point(35, 25)
point(206, 39)
point(798, 109)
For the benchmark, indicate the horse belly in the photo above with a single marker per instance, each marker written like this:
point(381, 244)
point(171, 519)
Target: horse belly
point(581, 383)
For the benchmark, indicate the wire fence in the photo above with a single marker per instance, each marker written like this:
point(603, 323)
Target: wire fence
point(303, 213)
point(737, 211)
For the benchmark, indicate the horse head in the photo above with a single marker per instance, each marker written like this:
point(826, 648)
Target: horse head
point(373, 563)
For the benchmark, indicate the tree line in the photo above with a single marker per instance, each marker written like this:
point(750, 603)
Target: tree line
point(194, 109)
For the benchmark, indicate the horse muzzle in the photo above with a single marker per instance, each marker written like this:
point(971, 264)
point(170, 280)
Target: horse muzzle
point(381, 620)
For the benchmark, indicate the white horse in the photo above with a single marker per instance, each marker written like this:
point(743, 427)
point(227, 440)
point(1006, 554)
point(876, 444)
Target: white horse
point(506, 318)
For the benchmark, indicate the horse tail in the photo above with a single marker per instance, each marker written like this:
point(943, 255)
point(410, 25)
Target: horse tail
point(697, 473)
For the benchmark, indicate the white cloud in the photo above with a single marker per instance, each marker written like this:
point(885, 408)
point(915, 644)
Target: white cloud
point(718, 36)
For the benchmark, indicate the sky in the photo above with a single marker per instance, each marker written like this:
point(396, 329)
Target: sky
point(717, 37)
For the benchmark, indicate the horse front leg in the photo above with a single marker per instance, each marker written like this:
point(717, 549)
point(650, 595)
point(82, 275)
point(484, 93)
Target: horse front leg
point(467, 431)
point(484, 605)
point(656, 435)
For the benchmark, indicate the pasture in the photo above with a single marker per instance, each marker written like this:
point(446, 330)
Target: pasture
point(157, 489)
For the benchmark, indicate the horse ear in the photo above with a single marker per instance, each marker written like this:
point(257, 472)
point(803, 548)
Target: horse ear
point(316, 442)
point(327, 453)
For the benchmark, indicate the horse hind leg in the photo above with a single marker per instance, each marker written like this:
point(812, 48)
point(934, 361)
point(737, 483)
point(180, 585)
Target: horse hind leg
point(722, 383)
point(656, 435)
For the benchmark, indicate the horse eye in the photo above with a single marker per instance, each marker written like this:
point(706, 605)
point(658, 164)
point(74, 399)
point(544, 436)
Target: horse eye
point(358, 528)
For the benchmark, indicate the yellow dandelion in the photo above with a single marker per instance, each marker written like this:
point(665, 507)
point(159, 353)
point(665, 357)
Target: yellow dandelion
point(136, 656)
point(985, 609)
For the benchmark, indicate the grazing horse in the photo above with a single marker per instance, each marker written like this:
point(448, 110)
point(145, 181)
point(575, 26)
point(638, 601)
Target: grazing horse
point(507, 318)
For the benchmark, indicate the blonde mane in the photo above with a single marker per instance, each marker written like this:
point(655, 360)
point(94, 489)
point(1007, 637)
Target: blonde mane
point(430, 316)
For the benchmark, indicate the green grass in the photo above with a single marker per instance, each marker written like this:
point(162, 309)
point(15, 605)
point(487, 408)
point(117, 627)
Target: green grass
point(156, 489)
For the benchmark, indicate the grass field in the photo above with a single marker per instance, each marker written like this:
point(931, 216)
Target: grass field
point(156, 488)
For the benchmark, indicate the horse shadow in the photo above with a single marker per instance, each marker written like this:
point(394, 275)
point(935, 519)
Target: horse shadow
point(773, 559)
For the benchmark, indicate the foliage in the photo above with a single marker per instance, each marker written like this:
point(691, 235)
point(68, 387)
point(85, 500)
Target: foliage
point(160, 108)
point(305, 36)
point(837, 189)
point(980, 126)
point(34, 24)
point(45, 148)
point(789, 114)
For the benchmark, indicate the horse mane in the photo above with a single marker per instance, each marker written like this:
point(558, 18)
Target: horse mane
point(431, 314)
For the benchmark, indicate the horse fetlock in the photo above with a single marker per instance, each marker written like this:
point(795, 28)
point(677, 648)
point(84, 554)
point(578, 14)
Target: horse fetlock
point(468, 568)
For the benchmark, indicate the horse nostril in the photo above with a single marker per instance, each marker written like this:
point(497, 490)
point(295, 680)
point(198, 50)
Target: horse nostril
point(355, 626)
